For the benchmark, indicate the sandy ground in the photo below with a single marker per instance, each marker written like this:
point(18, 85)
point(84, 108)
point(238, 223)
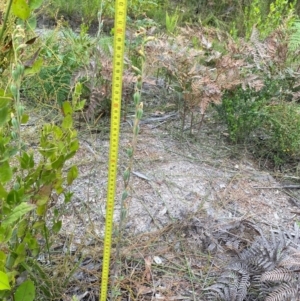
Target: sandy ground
point(172, 179)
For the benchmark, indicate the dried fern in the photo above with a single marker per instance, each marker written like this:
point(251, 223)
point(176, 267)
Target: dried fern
point(284, 292)
point(267, 270)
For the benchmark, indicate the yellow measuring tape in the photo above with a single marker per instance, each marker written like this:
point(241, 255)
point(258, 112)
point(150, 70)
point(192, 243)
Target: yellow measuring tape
point(119, 41)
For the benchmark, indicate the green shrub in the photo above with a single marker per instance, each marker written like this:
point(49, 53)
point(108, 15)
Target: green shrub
point(282, 128)
point(242, 112)
point(267, 19)
point(31, 182)
point(264, 120)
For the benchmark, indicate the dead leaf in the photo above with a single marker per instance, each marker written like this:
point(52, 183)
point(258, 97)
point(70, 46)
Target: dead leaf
point(158, 113)
point(144, 290)
point(31, 41)
point(147, 273)
point(31, 61)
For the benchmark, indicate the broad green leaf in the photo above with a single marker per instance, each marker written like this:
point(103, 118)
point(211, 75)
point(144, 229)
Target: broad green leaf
point(17, 213)
point(80, 105)
point(32, 243)
point(21, 254)
point(5, 100)
point(21, 9)
point(40, 210)
point(56, 226)
point(38, 225)
point(5, 234)
point(36, 67)
point(26, 161)
point(67, 108)
point(34, 4)
point(31, 22)
point(5, 172)
point(59, 162)
point(4, 283)
point(58, 132)
point(72, 174)
point(2, 260)
point(13, 198)
point(74, 146)
point(58, 185)
point(25, 292)
point(22, 227)
point(3, 192)
point(24, 118)
point(4, 115)
point(67, 122)
point(69, 155)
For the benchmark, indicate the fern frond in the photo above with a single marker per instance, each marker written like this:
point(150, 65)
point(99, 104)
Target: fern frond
point(294, 41)
point(284, 292)
point(279, 274)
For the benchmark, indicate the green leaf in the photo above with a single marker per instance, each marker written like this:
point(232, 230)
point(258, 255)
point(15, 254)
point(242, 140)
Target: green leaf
point(5, 100)
point(17, 213)
point(69, 155)
point(5, 172)
point(3, 192)
point(38, 225)
point(21, 9)
point(32, 243)
point(2, 260)
point(80, 105)
point(58, 163)
point(34, 4)
point(5, 234)
point(22, 227)
point(56, 226)
point(67, 108)
point(67, 122)
point(24, 118)
point(36, 67)
point(40, 210)
point(26, 161)
point(74, 146)
point(31, 22)
point(58, 132)
point(13, 198)
point(72, 174)
point(68, 196)
point(4, 115)
point(25, 292)
point(4, 283)
point(21, 254)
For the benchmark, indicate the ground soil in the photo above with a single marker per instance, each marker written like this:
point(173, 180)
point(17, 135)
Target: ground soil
point(178, 179)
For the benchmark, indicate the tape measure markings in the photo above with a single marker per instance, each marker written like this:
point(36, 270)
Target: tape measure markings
point(119, 41)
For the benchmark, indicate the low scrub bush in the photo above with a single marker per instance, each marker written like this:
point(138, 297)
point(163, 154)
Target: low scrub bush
point(34, 184)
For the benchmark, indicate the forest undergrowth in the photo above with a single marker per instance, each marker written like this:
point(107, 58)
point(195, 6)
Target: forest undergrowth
point(244, 71)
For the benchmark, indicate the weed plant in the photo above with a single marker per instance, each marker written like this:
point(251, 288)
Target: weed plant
point(31, 183)
point(60, 62)
point(172, 21)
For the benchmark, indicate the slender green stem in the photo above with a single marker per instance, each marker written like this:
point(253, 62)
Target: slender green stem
point(5, 20)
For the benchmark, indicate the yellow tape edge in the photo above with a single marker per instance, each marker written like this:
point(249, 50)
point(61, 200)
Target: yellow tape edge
point(119, 46)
